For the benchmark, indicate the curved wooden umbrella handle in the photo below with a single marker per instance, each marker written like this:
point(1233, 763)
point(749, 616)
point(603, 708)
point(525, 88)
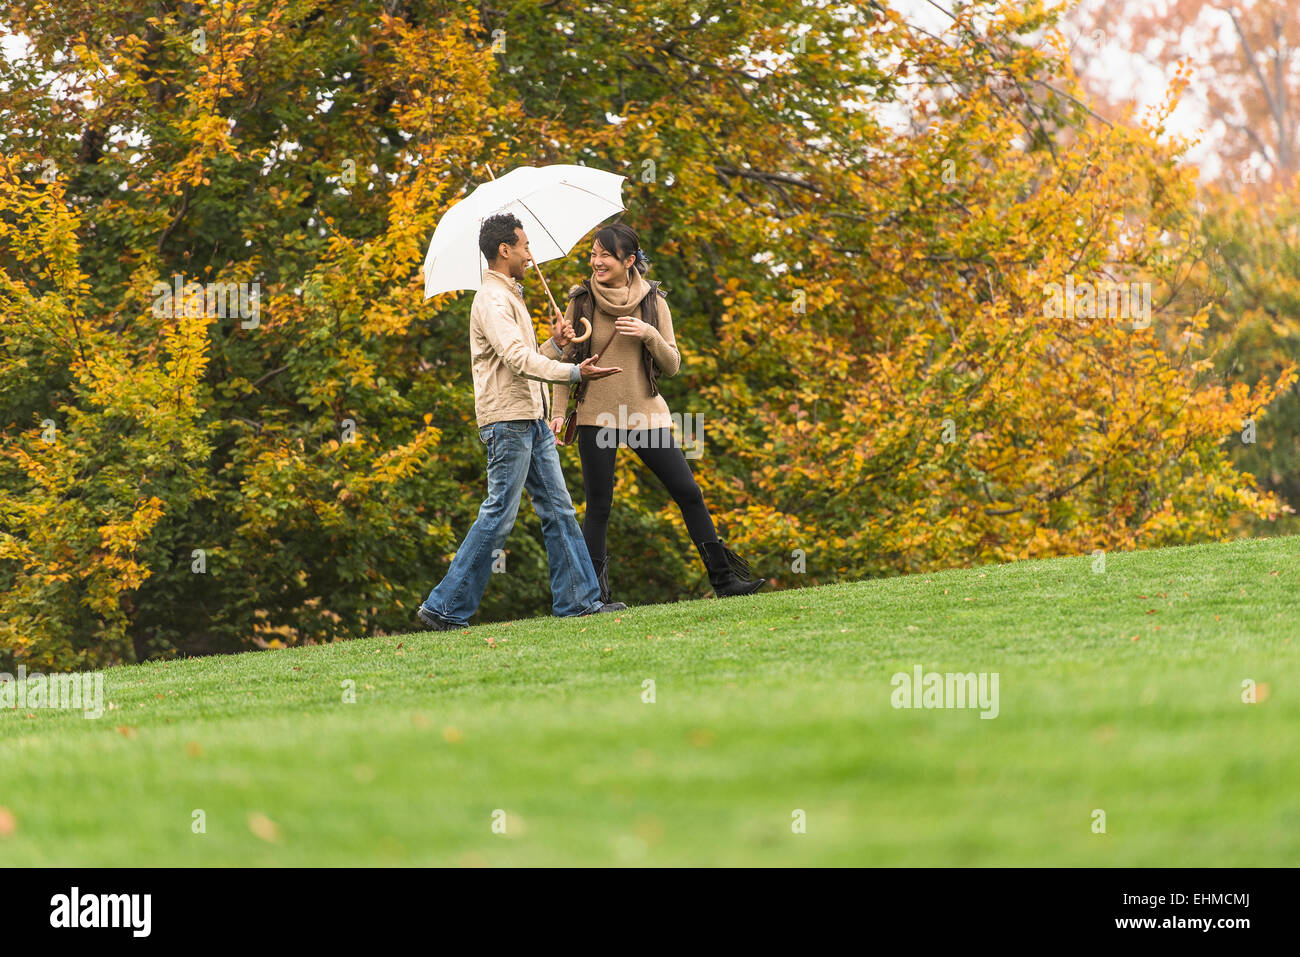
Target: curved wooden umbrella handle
point(586, 335)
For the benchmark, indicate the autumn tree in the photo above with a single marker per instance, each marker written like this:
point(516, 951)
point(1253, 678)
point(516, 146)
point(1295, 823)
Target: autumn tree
point(857, 219)
point(1240, 59)
point(865, 298)
point(214, 479)
point(1250, 280)
point(1237, 61)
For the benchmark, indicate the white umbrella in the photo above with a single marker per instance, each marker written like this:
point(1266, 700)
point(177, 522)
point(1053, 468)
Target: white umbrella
point(557, 205)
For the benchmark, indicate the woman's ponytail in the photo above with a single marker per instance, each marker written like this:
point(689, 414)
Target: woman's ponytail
point(642, 263)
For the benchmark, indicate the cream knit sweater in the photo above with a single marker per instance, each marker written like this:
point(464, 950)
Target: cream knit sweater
point(629, 389)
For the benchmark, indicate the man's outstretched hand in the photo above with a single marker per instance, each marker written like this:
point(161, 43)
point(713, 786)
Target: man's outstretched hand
point(590, 370)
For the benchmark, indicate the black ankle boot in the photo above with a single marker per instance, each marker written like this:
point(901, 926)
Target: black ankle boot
point(729, 574)
point(602, 577)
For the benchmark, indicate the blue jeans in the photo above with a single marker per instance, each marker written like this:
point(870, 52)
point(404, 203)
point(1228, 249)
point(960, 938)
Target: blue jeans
point(521, 455)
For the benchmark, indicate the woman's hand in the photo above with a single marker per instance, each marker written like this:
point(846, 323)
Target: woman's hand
point(557, 423)
point(632, 326)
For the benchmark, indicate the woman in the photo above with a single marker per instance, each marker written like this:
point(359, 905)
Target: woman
point(633, 330)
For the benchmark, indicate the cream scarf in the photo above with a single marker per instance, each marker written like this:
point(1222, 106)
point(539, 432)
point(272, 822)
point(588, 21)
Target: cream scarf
point(616, 300)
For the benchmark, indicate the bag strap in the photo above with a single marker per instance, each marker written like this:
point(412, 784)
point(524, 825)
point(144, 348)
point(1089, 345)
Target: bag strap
point(601, 350)
point(650, 305)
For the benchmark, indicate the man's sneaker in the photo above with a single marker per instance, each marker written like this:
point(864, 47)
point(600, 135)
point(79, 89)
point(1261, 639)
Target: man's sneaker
point(608, 606)
point(435, 622)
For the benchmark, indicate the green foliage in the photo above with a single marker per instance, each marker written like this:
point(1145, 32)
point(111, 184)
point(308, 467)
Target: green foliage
point(1252, 278)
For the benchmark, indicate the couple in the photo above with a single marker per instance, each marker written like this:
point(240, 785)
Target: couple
point(513, 408)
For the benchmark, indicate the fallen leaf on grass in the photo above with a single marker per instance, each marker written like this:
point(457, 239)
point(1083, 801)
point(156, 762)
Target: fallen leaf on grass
point(264, 828)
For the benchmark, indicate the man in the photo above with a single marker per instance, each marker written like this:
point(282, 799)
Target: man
point(510, 401)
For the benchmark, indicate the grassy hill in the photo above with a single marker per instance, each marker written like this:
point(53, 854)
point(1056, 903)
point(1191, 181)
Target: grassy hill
point(1119, 691)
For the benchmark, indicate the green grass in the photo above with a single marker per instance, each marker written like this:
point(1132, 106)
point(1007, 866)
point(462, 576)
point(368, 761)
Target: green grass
point(764, 705)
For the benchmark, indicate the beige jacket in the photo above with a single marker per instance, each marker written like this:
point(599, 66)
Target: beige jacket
point(508, 367)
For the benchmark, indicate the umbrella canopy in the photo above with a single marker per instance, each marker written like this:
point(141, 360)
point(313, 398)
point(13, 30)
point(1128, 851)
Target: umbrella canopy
point(557, 205)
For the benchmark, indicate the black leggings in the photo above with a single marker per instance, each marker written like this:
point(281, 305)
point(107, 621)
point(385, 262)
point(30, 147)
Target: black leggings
point(666, 459)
